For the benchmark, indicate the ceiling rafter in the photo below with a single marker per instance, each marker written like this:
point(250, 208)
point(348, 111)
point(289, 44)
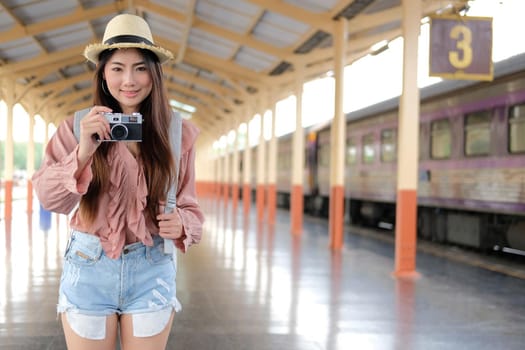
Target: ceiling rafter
point(79, 15)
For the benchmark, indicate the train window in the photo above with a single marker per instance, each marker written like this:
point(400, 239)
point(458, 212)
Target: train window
point(351, 152)
point(388, 145)
point(477, 133)
point(368, 148)
point(517, 129)
point(440, 139)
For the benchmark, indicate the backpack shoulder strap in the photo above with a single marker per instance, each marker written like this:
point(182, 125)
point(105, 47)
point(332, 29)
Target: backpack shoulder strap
point(171, 202)
point(175, 140)
point(76, 123)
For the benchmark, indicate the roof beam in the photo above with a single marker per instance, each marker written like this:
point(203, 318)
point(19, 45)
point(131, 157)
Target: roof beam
point(188, 23)
point(19, 32)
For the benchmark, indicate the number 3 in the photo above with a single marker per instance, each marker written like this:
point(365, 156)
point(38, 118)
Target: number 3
point(463, 35)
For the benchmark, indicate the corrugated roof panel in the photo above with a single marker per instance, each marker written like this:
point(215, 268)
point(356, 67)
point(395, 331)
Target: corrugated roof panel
point(208, 75)
point(87, 4)
point(211, 44)
point(254, 59)
point(65, 37)
point(178, 5)
point(88, 84)
point(233, 14)
point(50, 78)
point(19, 50)
point(314, 5)
point(6, 21)
point(187, 68)
point(164, 27)
point(383, 5)
point(74, 70)
point(279, 30)
point(99, 25)
point(30, 12)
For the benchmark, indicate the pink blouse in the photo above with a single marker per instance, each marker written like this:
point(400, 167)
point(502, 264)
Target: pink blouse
point(121, 218)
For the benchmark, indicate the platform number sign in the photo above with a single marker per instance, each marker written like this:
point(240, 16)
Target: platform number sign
point(461, 47)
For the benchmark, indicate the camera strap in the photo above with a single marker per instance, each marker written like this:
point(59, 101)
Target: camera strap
point(175, 141)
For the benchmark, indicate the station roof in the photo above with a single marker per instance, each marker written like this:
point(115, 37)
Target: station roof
point(229, 53)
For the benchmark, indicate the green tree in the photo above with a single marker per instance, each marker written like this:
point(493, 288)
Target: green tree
point(20, 156)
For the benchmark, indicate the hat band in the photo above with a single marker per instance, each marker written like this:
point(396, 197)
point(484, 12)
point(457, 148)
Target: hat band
point(127, 39)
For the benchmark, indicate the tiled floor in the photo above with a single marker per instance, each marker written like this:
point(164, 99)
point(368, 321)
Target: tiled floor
point(254, 287)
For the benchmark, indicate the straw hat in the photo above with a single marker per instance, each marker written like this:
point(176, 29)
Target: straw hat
point(126, 31)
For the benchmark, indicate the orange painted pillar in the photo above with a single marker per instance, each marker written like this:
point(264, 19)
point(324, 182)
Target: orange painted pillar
point(235, 196)
point(8, 204)
point(247, 172)
point(9, 149)
point(225, 193)
point(297, 200)
point(261, 170)
point(216, 189)
point(297, 208)
point(338, 133)
point(235, 168)
point(260, 196)
point(30, 164)
point(336, 218)
point(406, 235)
point(408, 145)
point(246, 198)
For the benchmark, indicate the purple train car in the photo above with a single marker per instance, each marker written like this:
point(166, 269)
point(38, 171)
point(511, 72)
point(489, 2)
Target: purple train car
point(471, 189)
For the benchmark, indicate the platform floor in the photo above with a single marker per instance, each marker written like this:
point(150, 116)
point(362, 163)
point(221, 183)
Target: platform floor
point(254, 287)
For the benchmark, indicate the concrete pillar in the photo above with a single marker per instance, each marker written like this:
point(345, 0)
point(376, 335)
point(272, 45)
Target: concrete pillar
point(408, 145)
point(246, 170)
point(9, 149)
point(235, 167)
point(261, 162)
point(297, 200)
point(226, 170)
point(30, 165)
point(272, 170)
point(338, 136)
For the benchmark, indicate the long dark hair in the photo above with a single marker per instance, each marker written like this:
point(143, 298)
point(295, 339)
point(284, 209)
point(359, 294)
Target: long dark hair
point(155, 149)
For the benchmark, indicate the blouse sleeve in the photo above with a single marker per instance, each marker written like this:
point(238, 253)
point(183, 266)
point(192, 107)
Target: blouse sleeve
point(187, 204)
point(55, 185)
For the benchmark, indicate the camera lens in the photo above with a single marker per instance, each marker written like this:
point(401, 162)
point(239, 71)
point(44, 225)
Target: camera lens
point(119, 132)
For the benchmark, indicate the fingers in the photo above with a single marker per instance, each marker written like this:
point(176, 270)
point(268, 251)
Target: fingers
point(95, 126)
point(170, 225)
point(94, 123)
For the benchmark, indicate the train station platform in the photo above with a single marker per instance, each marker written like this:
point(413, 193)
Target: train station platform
point(257, 287)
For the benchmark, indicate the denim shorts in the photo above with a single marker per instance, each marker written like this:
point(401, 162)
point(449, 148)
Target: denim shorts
point(141, 282)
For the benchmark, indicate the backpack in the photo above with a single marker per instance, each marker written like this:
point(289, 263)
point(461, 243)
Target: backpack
point(175, 140)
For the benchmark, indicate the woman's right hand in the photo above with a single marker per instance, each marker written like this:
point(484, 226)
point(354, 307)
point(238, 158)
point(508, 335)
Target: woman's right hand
point(94, 128)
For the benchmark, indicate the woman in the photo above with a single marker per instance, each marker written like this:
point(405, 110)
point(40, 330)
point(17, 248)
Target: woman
point(116, 274)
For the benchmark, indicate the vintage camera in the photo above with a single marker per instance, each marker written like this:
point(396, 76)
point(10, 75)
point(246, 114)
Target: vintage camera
point(125, 127)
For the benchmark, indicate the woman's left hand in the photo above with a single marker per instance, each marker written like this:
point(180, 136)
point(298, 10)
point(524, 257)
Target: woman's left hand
point(170, 225)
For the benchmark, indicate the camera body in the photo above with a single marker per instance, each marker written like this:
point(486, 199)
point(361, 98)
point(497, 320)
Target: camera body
point(125, 127)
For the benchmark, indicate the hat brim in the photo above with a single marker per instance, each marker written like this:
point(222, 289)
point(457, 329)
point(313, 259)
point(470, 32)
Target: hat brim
point(91, 52)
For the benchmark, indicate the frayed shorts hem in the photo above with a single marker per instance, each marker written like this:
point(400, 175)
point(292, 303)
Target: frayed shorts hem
point(145, 324)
